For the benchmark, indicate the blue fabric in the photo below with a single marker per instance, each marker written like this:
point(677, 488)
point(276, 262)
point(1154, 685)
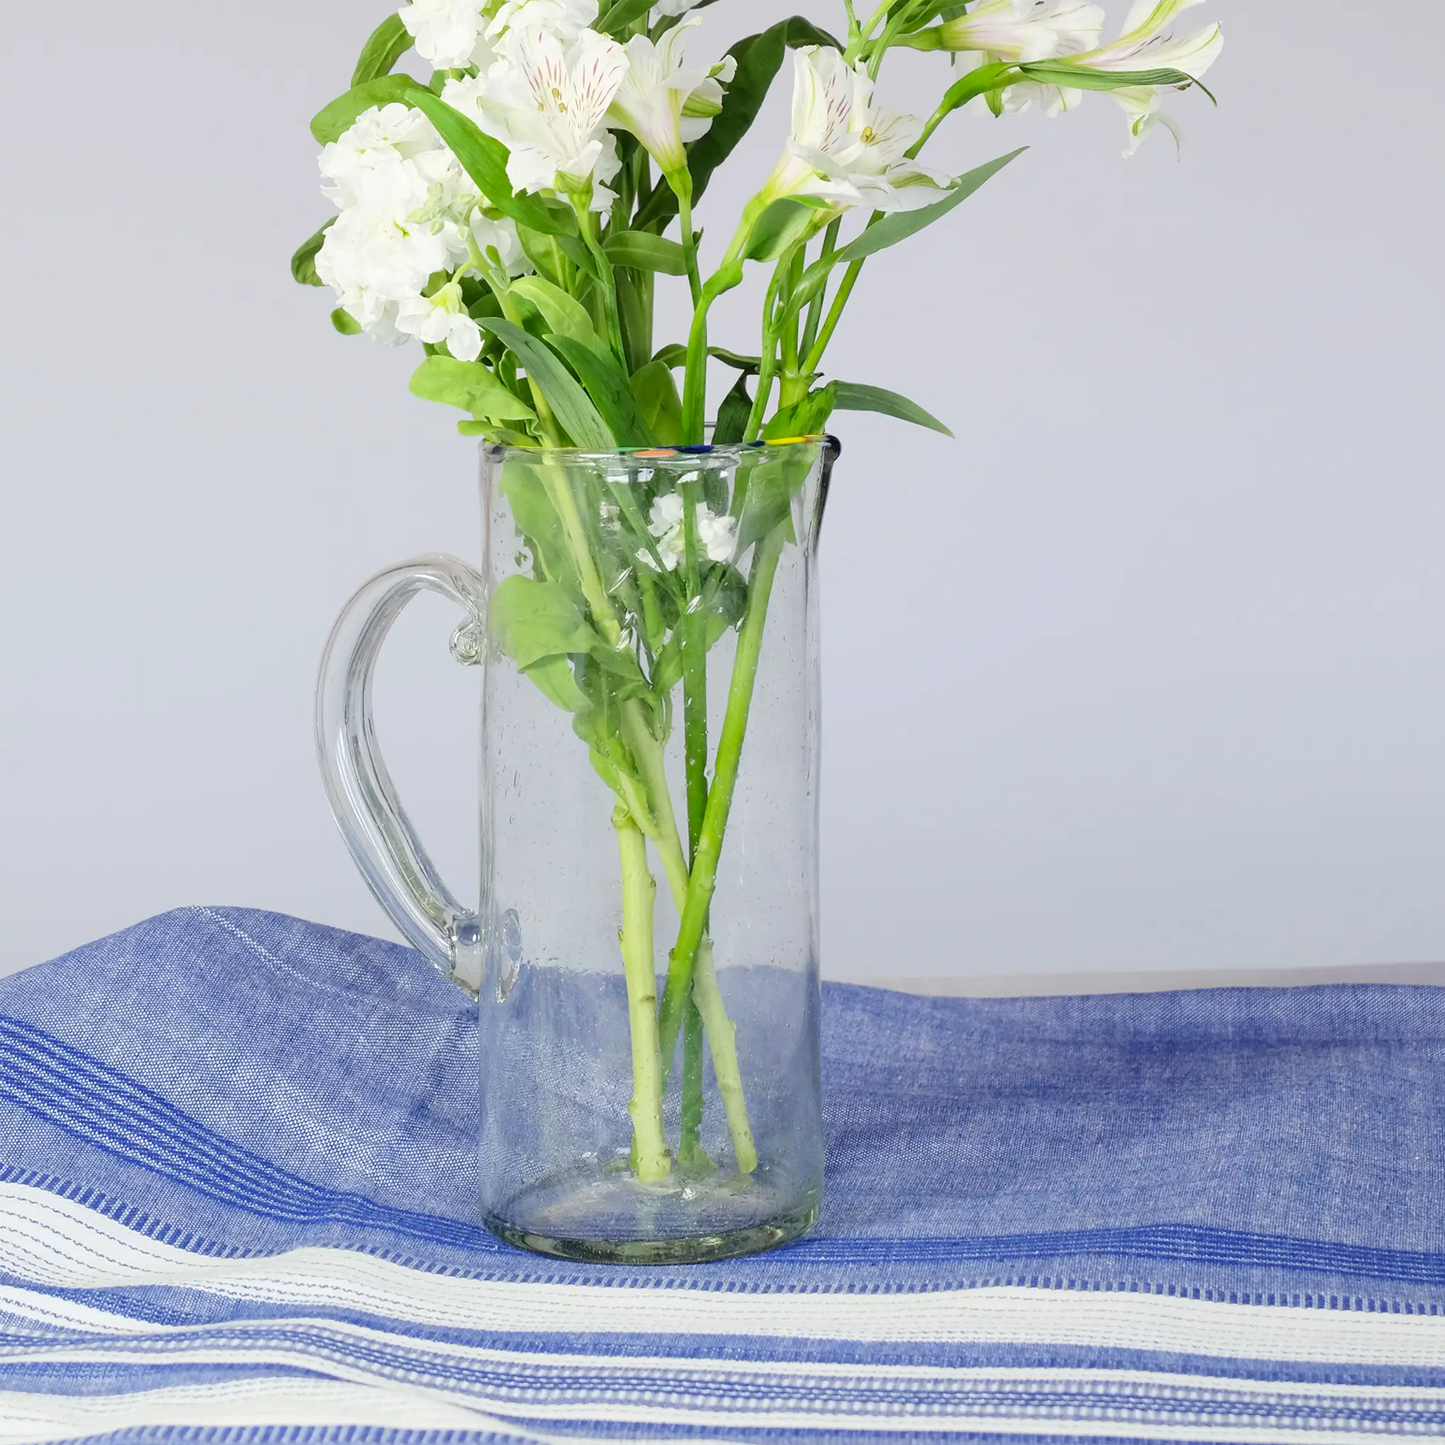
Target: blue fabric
point(1061, 1212)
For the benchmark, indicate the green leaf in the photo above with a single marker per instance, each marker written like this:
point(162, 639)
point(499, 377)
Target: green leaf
point(782, 224)
point(303, 262)
point(733, 413)
point(554, 676)
point(571, 405)
point(902, 224)
point(674, 354)
point(484, 158)
point(655, 392)
point(388, 43)
point(575, 249)
point(530, 620)
point(759, 58)
point(1077, 77)
point(332, 121)
point(643, 251)
point(537, 520)
point(806, 417)
point(345, 322)
point(607, 385)
point(854, 396)
point(773, 475)
point(469, 385)
point(618, 18)
point(564, 314)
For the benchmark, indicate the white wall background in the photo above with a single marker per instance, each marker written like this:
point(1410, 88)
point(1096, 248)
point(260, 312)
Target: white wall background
point(1146, 671)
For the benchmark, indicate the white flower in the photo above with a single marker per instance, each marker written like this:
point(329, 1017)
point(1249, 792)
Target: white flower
point(406, 205)
point(650, 101)
point(716, 535)
point(843, 148)
point(665, 8)
point(445, 32)
point(566, 19)
point(441, 317)
point(500, 236)
point(707, 99)
point(1024, 30)
point(374, 257)
point(548, 104)
point(1143, 44)
point(378, 140)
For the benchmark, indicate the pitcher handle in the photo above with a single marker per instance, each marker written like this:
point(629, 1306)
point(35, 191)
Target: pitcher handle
point(363, 798)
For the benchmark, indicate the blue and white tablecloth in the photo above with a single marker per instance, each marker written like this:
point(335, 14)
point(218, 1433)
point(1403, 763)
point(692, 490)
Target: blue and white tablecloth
point(234, 1207)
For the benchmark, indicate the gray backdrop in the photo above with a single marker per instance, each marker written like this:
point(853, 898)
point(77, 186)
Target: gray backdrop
point(1142, 672)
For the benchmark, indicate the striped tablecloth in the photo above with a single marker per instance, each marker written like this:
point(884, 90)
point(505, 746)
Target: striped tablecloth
point(234, 1154)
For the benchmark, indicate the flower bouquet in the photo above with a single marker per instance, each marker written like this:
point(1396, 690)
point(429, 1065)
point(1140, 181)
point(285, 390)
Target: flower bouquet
point(512, 212)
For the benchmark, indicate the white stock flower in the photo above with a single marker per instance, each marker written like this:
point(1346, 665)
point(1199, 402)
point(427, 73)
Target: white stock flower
point(405, 203)
point(379, 139)
point(716, 535)
point(548, 103)
point(441, 317)
point(844, 149)
point(444, 32)
point(566, 19)
point(1025, 30)
point(452, 34)
point(651, 101)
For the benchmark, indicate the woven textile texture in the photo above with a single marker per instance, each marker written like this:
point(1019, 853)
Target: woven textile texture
point(234, 1206)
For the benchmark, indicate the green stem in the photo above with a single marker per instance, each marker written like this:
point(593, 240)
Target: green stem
point(768, 357)
point(835, 311)
point(587, 225)
point(694, 715)
point(639, 891)
point(694, 669)
point(694, 394)
point(706, 996)
point(815, 306)
point(703, 878)
point(681, 184)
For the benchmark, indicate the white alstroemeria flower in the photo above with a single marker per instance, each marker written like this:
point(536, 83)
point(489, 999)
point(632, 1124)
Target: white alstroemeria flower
point(1144, 44)
point(843, 148)
point(1025, 30)
point(716, 535)
point(441, 317)
point(548, 104)
point(652, 98)
point(445, 32)
point(665, 8)
point(707, 99)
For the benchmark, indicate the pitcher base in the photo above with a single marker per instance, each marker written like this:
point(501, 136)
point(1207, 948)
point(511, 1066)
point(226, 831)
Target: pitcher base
point(606, 1214)
point(691, 1249)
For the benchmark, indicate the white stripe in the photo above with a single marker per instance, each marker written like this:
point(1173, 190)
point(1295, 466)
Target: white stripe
point(342, 1335)
point(48, 1309)
point(27, 1419)
point(34, 1419)
point(56, 1242)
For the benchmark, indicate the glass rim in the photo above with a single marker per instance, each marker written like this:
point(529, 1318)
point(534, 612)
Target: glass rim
point(501, 451)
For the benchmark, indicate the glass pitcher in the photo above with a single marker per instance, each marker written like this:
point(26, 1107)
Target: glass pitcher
point(644, 953)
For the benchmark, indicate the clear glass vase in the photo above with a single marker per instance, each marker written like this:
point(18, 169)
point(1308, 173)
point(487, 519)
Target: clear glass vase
point(645, 950)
